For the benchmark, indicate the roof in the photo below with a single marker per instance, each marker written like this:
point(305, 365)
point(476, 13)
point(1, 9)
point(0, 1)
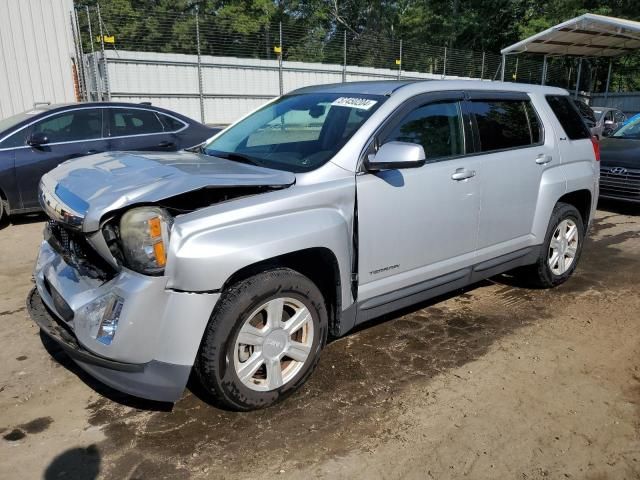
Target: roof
point(389, 87)
point(588, 35)
point(373, 87)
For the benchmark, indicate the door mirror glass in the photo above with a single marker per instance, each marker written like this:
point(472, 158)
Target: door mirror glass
point(394, 155)
point(37, 139)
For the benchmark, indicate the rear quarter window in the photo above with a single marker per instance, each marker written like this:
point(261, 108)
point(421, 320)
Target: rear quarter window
point(568, 116)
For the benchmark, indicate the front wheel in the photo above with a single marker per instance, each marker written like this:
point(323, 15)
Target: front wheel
point(263, 340)
point(561, 249)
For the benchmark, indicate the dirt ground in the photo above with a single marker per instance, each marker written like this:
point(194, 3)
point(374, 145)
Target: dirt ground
point(494, 382)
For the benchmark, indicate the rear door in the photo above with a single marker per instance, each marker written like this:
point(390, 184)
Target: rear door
point(510, 140)
point(138, 129)
point(71, 134)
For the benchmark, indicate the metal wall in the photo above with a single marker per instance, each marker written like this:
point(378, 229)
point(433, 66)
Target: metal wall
point(36, 50)
point(628, 102)
point(231, 87)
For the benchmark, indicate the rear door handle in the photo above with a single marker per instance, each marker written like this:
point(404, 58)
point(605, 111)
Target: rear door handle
point(166, 144)
point(91, 152)
point(463, 174)
point(543, 159)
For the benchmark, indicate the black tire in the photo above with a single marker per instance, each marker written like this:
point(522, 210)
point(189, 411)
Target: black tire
point(540, 274)
point(214, 365)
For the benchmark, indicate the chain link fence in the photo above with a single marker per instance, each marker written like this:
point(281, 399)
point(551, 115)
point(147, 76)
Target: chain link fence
point(275, 53)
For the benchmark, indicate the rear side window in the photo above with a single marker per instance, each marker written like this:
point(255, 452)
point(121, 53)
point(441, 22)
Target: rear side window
point(170, 124)
point(133, 122)
point(568, 116)
point(504, 124)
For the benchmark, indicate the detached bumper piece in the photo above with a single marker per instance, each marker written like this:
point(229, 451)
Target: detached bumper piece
point(157, 381)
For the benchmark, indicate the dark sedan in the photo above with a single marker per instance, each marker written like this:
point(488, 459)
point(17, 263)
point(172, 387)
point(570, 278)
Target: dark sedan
point(34, 142)
point(620, 163)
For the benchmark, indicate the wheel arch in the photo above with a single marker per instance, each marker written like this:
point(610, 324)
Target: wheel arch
point(582, 201)
point(319, 264)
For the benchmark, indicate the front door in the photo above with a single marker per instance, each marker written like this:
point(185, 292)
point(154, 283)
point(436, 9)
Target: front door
point(419, 223)
point(70, 134)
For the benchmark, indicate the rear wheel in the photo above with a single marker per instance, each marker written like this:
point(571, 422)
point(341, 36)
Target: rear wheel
point(561, 250)
point(263, 340)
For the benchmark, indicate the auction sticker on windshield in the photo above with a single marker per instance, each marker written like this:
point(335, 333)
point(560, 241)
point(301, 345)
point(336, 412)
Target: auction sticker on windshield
point(353, 102)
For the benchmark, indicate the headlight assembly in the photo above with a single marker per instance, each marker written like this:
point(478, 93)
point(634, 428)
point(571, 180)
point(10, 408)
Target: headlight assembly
point(144, 233)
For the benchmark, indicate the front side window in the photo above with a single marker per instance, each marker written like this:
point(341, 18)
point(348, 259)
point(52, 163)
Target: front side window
point(620, 117)
point(505, 124)
point(297, 133)
point(15, 140)
point(125, 121)
point(435, 126)
point(76, 125)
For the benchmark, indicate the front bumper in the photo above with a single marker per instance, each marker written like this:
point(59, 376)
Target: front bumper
point(158, 334)
point(154, 380)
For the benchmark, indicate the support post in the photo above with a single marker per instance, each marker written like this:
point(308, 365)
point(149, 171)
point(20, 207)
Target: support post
point(575, 93)
point(104, 57)
point(503, 66)
point(545, 65)
point(444, 66)
point(78, 72)
point(280, 63)
point(93, 59)
point(482, 66)
point(606, 89)
point(344, 57)
point(83, 70)
point(198, 51)
point(400, 61)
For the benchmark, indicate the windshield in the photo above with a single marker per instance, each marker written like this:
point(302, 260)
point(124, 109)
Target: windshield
point(10, 122)
point(598, 114)
point(297, 133)
point(629, 130)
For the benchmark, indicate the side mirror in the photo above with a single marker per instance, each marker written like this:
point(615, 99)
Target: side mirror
point(394, 155)
point(608, 122)
point(37, 139)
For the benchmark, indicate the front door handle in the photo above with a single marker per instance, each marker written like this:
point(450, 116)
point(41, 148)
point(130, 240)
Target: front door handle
point(166, 144)
point(543, 159)
point(91, 152)
point(463, 174)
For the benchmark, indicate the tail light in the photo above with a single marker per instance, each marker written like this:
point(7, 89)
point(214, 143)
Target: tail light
point(596, 147)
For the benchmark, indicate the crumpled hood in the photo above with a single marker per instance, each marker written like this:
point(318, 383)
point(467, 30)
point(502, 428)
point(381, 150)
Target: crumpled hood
point(97, 184)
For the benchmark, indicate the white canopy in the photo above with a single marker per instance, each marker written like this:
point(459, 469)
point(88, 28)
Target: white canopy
point(588, 35)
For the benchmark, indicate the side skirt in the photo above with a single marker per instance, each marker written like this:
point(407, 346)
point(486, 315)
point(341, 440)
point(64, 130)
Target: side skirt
point(420, 292)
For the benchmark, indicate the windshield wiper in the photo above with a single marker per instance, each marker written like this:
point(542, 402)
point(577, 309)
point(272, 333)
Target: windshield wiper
point(236, 157)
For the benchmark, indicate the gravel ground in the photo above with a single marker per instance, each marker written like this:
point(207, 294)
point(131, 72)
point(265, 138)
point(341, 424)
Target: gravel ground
point(493, 382)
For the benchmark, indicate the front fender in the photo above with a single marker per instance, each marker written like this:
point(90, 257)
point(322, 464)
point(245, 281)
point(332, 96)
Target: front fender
point(205, 260)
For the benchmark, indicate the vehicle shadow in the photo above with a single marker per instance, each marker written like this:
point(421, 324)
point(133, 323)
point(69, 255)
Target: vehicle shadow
point(26, 219)
point(81, 463)
point(619, 207)
point(59, 356)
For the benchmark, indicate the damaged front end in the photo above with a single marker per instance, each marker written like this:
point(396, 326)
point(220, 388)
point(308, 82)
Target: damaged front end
point(101, 291)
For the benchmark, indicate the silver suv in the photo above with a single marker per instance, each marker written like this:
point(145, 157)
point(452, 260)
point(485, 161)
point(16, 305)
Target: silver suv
point(319, 211)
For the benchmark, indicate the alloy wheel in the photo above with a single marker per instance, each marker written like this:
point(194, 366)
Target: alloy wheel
point(273, 344)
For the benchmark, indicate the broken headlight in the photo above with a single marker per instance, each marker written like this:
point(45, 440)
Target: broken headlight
point(144, 233)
